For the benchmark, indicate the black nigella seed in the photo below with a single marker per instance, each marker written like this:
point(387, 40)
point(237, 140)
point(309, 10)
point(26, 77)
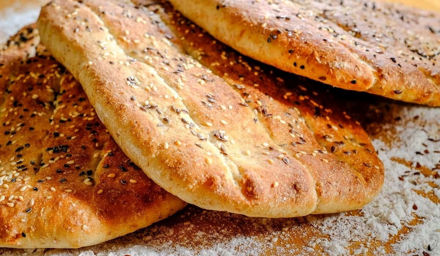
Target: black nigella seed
point(123, 168)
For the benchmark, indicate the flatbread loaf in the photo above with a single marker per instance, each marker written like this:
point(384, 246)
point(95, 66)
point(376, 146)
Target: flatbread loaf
point(63, 181)
point(359, 45)
point(206, 124)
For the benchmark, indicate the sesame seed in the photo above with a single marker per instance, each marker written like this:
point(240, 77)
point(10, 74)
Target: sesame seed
point(87, 181)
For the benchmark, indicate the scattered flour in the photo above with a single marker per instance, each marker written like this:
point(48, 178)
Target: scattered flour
point(12, 20)
point(398, 201)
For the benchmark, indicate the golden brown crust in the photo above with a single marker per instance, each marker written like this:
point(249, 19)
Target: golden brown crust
point(365, 46)
point(63, 180)
point(215, 140)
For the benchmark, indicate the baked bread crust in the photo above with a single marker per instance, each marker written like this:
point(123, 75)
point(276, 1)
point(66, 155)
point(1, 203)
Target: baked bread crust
point(64, 183)
point(190, 112)
point(359, 45)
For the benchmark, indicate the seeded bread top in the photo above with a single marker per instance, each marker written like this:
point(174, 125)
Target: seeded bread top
point(359, 45)
point(206, 124)
point(63, 180)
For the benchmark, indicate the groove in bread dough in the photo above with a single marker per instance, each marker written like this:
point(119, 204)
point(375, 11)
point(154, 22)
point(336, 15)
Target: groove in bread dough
point(232, 174)
point(339, 186)
point(78, 217)
point(232, 83)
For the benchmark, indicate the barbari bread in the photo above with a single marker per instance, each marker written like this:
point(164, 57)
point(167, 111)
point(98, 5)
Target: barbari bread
point(206, 124)
point(63, 181)
point(360, 45)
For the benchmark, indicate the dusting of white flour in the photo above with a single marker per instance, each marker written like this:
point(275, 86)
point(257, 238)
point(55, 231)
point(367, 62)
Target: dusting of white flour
point(398, 201)
point(12, 20)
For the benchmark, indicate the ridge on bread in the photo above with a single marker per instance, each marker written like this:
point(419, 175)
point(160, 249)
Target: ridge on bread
point(205, 123)
point(64, 183)
point(361, 45)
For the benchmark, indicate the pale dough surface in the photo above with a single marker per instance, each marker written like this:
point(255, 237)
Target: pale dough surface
point(211, 127)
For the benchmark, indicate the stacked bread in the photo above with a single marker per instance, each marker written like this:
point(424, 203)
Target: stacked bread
point(179, 109)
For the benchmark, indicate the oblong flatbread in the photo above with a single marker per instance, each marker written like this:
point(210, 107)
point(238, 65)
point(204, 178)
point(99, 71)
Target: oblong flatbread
point(64, 183)
point(367, 46)
point(206, 124)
